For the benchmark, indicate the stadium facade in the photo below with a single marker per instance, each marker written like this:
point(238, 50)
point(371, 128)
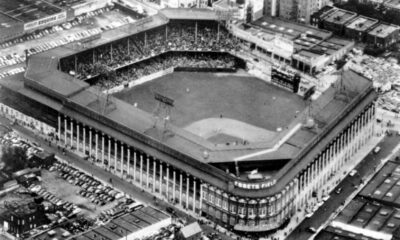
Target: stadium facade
point(187, 169)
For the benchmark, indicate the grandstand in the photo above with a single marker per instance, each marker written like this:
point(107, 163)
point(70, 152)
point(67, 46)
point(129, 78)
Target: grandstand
point(211, 175)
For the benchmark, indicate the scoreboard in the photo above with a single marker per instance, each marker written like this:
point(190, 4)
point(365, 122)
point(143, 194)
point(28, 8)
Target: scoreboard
point(285, 78)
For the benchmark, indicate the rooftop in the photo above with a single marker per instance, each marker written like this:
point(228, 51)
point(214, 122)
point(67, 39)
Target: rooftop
point(330, 233)
point(385, 186)
point(126, 224)
point(7, 21)
point(339, 16)
point(28, 10)
point(67, 4)
point(383, 30)
point(56, 233)
point(327, 47)
point(289, 29)
point(189, 14)
point(21, 208)
point(369, 215)
point(392, 3)
point(191, 229)
point(361, 23)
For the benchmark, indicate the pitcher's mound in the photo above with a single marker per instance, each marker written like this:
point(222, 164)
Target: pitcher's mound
point(226, 130)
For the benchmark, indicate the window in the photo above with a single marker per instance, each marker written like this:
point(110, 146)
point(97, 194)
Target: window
point(233, 208)
point(225, 204)
point(205, 195)
point(218, 201)
point(224, 217)
point(251, 211)
point(262, 210)
point(242, 209)
point(211, 198)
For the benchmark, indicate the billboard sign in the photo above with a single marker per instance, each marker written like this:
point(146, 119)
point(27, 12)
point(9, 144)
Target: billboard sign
point(50, 20)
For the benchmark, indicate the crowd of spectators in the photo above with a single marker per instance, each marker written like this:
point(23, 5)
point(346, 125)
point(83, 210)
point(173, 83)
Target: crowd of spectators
point(176, 37)
point(165, 61)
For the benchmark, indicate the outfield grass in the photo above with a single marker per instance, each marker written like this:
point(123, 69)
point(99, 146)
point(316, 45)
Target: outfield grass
point(246, 99)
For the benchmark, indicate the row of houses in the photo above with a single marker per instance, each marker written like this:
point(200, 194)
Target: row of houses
point(356, 27)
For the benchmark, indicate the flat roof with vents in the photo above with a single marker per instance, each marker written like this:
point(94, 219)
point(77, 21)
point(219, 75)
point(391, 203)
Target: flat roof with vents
point(383, 30)
point(339, 16)
point(361, 23)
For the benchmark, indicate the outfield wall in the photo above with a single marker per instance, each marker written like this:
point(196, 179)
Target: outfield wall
point(201, 69)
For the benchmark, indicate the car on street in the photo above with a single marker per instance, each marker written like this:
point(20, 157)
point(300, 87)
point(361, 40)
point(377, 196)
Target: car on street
point(311, 230)
point(377, 150)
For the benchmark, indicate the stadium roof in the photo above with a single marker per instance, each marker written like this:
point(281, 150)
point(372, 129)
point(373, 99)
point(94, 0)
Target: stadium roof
point(110, 36)
point(189, 14)
point(339, 16)
point(361, 23)
point(383, 30)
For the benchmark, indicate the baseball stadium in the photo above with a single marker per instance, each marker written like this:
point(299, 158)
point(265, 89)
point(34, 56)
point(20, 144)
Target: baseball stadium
point(167, 104)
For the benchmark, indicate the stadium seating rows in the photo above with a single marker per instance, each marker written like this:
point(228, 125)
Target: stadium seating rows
point(179, 37)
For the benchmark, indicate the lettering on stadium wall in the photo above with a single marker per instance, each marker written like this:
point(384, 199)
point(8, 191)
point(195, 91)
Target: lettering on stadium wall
point(59, 17)
point(262, 185)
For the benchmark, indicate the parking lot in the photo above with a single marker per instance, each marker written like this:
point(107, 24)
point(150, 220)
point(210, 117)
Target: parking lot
point(72, 192)
point(13, 52)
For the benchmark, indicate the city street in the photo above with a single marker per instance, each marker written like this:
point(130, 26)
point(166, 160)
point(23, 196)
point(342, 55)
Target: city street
point(366, 167)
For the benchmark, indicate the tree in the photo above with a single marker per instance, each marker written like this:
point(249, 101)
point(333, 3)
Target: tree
point(14, 158)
